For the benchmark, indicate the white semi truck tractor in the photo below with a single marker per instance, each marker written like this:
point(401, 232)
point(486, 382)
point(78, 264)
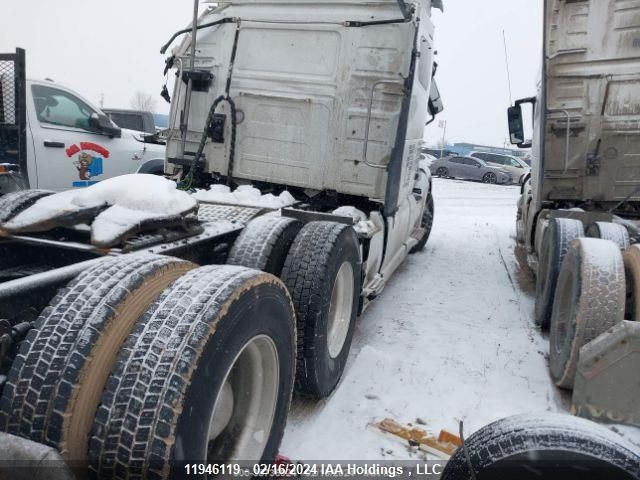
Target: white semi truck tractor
point(579, 213)
point(143, 329)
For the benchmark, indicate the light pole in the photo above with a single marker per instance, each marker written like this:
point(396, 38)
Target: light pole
point(443, 124)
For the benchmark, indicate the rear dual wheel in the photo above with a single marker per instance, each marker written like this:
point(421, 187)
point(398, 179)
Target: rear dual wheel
point(205, 377)
point(610, 231)
point(55, 383)
point(557, 236)
point(322, 273)
point(264, 243)
point(590, 299)
point(205, 372)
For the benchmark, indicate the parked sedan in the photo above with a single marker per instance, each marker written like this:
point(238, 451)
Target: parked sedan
point(518, 168)
point(469, 168)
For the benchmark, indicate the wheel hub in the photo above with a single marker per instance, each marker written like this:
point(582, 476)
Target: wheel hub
point(340, 310)
point(245, 407)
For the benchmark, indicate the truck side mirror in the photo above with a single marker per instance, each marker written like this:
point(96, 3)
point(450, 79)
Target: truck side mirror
point(102, 124)
point(516, 125)
point(516, 122)
point(435, 100)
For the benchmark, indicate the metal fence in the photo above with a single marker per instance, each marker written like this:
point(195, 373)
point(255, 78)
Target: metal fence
point(13, 122)
point(8, 92)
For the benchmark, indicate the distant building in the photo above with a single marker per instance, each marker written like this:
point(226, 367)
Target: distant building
point(467, 148)
point(437, 152)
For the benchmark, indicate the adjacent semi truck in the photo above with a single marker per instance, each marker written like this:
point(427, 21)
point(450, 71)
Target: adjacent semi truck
point(142, 330)
point(579, 213)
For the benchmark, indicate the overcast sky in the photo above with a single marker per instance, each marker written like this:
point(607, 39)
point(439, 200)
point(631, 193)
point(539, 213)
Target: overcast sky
point(111, 48)
point(472, 74)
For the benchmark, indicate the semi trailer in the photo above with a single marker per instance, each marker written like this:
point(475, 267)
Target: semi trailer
point(579, 213)
point(144, 328)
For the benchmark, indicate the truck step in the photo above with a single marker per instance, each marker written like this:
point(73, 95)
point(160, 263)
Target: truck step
point(211, 212)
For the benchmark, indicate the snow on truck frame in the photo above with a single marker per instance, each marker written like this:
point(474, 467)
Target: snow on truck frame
point(141, 329)
point(579, 215)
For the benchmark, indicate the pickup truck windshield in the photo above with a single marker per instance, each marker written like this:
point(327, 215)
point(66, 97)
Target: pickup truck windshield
point(57, 107)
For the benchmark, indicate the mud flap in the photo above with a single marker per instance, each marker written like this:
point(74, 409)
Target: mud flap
point(22, 459)
point(607, 385)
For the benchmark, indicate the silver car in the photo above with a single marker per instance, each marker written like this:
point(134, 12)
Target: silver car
point(518, 168)
point(469, 168)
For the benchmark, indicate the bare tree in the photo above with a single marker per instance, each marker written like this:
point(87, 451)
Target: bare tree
point(143, 101)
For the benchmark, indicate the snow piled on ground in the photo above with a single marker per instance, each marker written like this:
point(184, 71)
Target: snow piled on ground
point(244, 195)
point(451, 338)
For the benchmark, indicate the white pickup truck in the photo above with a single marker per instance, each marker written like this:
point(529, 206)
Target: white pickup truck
point(67, 142)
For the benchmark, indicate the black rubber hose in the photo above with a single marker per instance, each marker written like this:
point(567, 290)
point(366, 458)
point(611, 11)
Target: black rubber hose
point(166, 46)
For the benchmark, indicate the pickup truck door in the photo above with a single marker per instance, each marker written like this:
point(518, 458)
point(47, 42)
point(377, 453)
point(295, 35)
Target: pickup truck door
point(68, 153)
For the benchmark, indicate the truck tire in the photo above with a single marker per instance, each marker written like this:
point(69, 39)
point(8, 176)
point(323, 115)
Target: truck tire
point(322, 273)
point(542, 225)
point(520, 232)
point(550, 446)
point(631, 259)
point(13, 203)
point(590, 299)
point(206, 376)
point(556, 239)
point(426, 223)
point(610, 231)
point(264, 244)
point(55, 383)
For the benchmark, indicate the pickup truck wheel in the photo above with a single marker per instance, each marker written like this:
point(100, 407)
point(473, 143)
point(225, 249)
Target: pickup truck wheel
point(426, 223)
point(490, 178)
point(322, 273)
point(13, 203)
point(442, 172)
point(550, 446)
point(610, 231)
point(264, 244)
point(206, 376)
point(631, 259)
point(559, 233)
point(55, 383)
point(590, 299)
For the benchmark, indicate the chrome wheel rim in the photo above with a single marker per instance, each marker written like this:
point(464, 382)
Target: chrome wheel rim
point(340, 310)
point(245, 406)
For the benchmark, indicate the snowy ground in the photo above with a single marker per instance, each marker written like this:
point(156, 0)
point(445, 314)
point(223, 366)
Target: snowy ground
point(451, 338)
